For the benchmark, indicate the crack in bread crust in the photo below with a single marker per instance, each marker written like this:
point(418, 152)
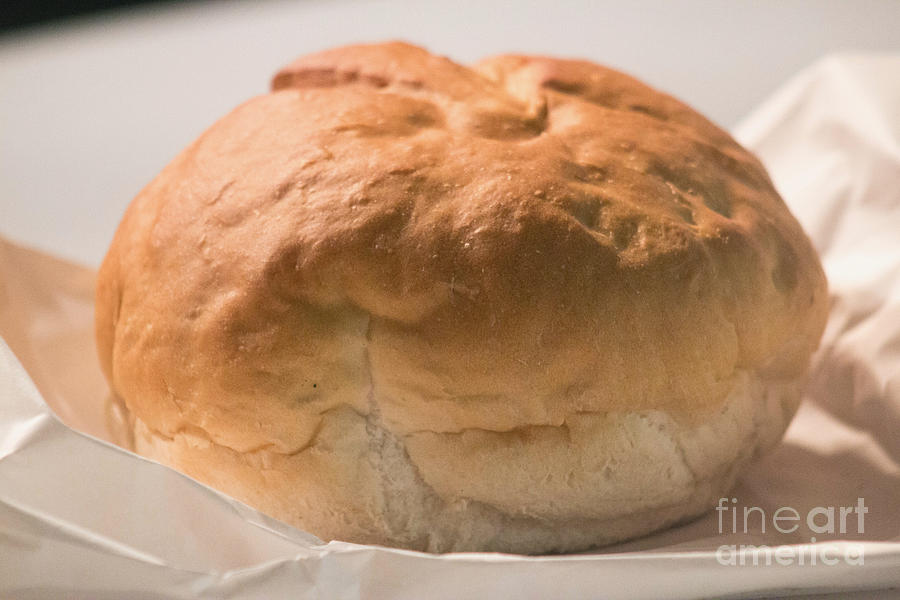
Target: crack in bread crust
point(410, 512)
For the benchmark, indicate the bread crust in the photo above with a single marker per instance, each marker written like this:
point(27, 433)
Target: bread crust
point(392, 244)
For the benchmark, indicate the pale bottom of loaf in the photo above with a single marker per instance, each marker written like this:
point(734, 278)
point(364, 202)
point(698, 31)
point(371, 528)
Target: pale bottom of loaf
point(610, 477)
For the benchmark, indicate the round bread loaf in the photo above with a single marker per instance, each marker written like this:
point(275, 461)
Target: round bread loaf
point(528, 306)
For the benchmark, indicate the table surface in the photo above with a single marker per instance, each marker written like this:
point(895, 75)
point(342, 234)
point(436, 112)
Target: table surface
point(92, 109)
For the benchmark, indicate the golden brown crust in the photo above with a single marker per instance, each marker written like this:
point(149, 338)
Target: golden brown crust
point(451, 248)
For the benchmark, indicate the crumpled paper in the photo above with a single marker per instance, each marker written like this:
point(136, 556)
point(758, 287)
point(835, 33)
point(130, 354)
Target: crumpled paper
point(82, 518)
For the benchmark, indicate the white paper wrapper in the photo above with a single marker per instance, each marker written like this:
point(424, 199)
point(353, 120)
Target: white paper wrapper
point(81, 518)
